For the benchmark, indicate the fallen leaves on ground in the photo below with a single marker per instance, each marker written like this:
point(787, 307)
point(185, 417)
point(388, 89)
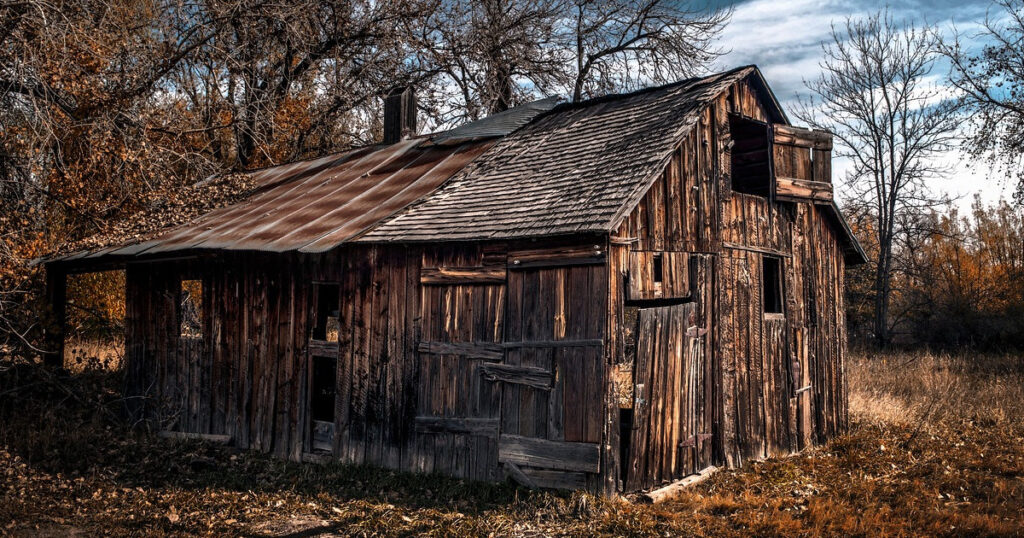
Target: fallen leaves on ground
point(64, 470)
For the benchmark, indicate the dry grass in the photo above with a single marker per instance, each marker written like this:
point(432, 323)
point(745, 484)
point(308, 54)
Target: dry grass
point(64, 468)
point(936, 389)
point(82, 354)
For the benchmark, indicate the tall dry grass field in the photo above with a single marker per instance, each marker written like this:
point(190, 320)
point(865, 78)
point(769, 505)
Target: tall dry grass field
point(937, 390)
point(936, 448)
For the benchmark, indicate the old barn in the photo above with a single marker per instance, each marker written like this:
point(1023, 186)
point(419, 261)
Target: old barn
point(608, 295)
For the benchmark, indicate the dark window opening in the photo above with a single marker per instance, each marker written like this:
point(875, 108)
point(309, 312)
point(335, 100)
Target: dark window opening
point(190, 309)
point(625, 441)
point(321, 402)
point(325, 371)
point(326, 312)
point(751, 156)
point(658, 268)
point(771, 281)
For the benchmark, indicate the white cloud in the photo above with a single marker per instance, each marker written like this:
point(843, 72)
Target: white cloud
point(784, 40)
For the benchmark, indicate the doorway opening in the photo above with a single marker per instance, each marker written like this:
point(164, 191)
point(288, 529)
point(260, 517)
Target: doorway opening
point(322, 402)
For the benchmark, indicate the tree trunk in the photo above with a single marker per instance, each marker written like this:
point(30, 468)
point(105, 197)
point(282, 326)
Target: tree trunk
point(882, 295)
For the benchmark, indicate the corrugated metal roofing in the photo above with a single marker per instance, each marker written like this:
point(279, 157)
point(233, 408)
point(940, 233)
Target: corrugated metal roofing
point(575, 169)
point(312, 206)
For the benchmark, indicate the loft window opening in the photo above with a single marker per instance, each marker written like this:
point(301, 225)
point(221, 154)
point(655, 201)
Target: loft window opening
point(771, 281)
point(751, 156)
point(658, 268)
point(327, 300)
point(190, 309)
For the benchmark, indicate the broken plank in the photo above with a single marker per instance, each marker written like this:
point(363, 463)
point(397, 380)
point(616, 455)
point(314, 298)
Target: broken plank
point(546, 454)
point(531, 376)
point(513, 471)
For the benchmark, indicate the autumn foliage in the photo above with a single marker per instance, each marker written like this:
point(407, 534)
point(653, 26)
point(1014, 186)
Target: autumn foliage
point(957, 282)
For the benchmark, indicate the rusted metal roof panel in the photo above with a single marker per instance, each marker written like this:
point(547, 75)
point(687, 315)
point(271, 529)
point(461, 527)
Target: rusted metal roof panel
point(316, 205)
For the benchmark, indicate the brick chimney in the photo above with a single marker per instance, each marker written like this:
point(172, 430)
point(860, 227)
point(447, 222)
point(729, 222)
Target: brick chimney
point(399, 114)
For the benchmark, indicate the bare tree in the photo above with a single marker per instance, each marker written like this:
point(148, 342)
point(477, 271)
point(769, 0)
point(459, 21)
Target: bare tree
point(873, 94)
point(493, 54)
point(631, 43)
point(992, 85)
point(486, 56)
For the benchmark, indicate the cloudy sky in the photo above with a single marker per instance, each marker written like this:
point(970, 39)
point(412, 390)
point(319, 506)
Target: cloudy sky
point(784, 39)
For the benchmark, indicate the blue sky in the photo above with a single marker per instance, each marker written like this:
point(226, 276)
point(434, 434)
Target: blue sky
point(784, 40)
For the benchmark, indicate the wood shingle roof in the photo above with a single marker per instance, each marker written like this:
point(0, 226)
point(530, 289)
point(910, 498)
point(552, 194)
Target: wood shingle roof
point(576, 169)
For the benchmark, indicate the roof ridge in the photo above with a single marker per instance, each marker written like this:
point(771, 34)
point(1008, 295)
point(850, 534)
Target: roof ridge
point(706, 79)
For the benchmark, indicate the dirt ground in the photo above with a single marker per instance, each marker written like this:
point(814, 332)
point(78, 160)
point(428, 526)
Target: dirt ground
point(936, 448)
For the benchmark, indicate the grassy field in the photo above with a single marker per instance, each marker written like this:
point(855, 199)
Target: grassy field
point(936, 448)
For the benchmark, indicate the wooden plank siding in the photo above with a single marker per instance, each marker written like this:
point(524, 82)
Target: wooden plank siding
point(776, 381)
point(481, 359)
point(429, 370)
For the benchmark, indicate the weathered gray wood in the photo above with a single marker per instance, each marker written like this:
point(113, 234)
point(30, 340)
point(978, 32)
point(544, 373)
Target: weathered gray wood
point(531, 376)
point(462, 425)
point(551, 479)
point(473, 350)
point(320, 348)
point(208, 437)
point(677, 487)
point(514, 472)
point(546, 454)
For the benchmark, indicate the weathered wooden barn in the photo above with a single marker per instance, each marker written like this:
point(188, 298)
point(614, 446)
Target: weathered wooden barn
point(608, 295)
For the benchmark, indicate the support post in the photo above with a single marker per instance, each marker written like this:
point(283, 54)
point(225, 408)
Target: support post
point(56, 297)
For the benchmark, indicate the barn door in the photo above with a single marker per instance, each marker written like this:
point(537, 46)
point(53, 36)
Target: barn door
point(552, 375)
point(671, 437)
point(463, 308)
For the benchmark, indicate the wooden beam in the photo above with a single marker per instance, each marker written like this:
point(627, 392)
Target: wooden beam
point(322, 348)
point(547, 478)
point(513, 471)
point(462, 275)
point(472, 350)
point(793, 189)
point(592, 342)
point(759, 250)
point(795, 136)
point(557, 257)
point(673, 489)
point(487, 427)
point(318, 458)
point(56, 297)
point(208, 437)
point(531, 376)
point(564, 456)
